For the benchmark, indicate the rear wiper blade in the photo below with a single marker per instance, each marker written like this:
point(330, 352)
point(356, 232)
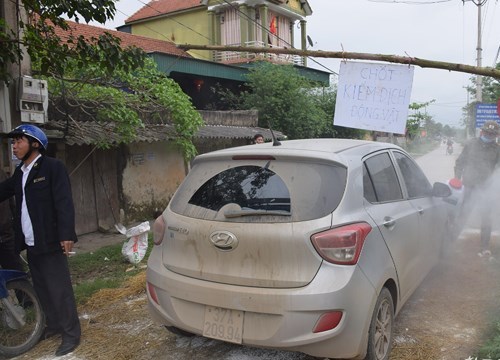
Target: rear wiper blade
point(238, 213)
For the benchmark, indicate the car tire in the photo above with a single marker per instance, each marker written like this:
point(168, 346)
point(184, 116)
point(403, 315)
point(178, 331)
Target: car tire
point(381, 328)
point(180, 332)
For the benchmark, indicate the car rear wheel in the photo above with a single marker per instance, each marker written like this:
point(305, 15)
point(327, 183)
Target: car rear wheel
point(381, 328)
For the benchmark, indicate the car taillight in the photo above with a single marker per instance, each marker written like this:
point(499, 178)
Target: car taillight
point(341, 245)
point(159, 227)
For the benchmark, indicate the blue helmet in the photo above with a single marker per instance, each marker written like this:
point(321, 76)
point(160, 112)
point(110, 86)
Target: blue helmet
point(32, 131)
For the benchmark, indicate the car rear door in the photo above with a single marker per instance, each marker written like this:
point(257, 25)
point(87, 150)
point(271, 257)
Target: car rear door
point(395, 217)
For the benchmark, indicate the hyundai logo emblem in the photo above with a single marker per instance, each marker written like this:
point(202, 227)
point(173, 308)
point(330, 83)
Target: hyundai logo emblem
point(224, 240)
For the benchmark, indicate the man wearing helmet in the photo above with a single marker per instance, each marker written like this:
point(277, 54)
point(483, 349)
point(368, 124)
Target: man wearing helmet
point(474, 167)
point(45, 227)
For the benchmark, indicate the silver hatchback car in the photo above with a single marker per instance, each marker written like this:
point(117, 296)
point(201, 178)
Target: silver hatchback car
point(309, 245)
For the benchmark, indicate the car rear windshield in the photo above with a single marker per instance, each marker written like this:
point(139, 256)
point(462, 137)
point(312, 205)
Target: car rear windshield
point(274, 191)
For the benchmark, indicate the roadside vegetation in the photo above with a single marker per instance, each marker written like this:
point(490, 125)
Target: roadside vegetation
point(491, 348)
point(105, 268)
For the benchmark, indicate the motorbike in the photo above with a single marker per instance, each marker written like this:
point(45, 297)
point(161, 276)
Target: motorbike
point(22, 320)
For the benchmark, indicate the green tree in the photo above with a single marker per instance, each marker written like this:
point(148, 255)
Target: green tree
point(490, 88)
point(96, 76)
point(285, 101)
point(37, 34)
point(127, 99)
point(417, 118)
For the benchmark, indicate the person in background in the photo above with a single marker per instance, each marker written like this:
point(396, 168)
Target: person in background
point(473, 168)
point(45, 226)
point(9, 259)
point(258, 139)
point(449, 147)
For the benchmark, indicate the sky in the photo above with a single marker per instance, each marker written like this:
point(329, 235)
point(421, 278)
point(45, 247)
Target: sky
point(442, 30)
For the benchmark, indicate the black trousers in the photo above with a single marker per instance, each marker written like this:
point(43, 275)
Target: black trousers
point(8, 257)
point(52, 283)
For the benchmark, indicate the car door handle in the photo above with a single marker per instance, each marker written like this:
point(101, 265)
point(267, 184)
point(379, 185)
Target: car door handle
point(389, 222)
point(420, 210)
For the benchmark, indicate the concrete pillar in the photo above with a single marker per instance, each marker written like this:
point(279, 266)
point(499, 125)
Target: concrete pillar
point(211, 32)
point(243, 10)
point(264, 15)
point(303, 38)
point(251, 24)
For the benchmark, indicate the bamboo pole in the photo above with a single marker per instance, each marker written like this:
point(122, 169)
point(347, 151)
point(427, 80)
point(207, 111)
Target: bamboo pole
point(423, 63)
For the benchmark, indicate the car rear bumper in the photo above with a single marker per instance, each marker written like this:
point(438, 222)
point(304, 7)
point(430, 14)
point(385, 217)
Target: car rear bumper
point(275, 318)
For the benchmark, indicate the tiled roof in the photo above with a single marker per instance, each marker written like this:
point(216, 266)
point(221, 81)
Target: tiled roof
point(147, 44)
point(161, 7)
point(86, 133)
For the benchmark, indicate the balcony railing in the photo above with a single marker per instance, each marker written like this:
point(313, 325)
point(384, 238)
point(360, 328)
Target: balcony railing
point(234, 57)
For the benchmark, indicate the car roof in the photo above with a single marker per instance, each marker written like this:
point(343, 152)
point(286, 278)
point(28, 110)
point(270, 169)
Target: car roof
point(328, 149)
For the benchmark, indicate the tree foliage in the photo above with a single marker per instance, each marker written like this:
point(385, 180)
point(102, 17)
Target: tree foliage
point(284, 101)
point(418, 118)
point(128, 99)
point(36, 33)
point(490, 88)
point(95, 77)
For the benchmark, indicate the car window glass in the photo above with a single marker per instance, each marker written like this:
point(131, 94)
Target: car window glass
point(307, 190)
point(368, 190)
point(383, 177)
point(415, 180)
point(250, 187)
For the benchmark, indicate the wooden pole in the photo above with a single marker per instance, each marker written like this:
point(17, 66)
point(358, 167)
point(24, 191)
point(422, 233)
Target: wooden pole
point(423, 63)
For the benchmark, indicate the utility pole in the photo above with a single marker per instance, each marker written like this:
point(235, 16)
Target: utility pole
point(13, 12)
point(479, 79)
point(479, 49)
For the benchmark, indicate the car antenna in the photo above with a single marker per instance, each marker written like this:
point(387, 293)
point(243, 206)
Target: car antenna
point(276, 142)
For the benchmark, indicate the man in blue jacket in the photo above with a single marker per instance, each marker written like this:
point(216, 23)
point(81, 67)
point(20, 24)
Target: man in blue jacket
point(45, 227)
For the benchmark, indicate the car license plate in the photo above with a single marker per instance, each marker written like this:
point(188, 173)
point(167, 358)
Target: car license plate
point(223, 324)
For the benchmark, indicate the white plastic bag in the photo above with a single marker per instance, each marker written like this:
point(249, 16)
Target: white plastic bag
point(136, 246)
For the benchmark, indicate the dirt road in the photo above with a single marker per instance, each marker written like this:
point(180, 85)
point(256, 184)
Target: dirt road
point(446, 318)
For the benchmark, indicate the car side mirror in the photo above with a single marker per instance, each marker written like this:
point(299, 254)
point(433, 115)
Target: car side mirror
point(441, 190)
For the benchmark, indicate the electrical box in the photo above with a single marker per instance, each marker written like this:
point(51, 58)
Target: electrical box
point(33, 100)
